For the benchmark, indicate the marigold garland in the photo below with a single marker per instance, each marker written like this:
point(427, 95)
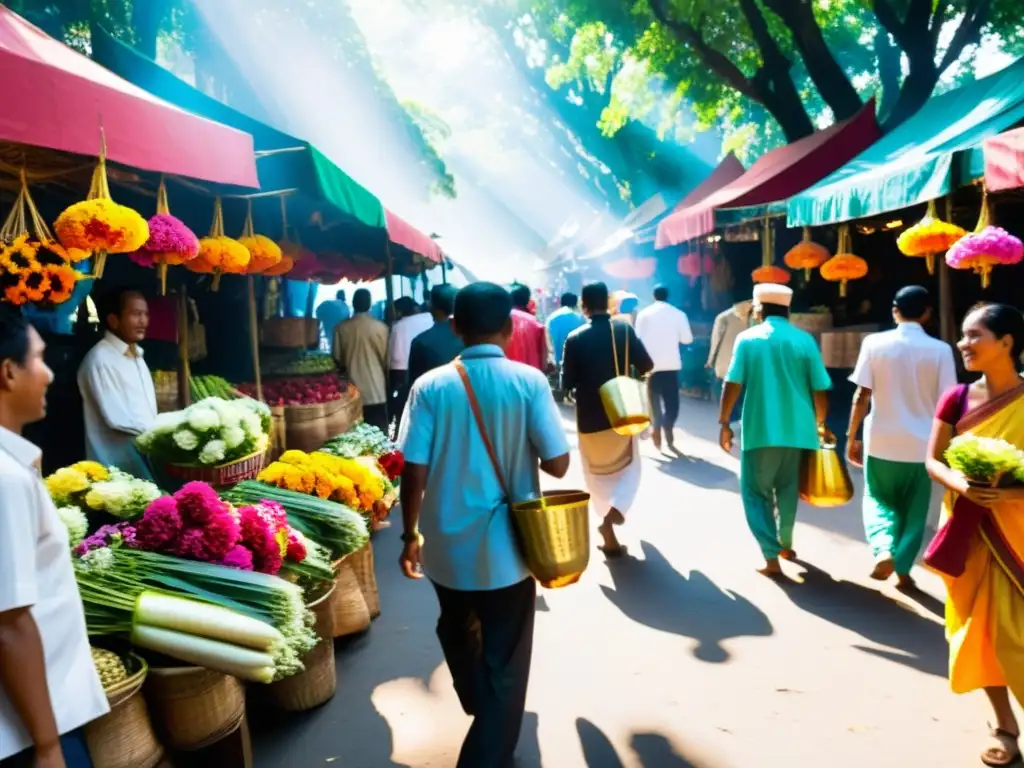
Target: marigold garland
point(770, 274)
point(36, 272)
point(928, 237)
point(844, 266)
point(806, 255)
point(265, 253)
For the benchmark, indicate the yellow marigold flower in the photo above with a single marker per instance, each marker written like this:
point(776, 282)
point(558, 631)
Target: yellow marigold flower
point(66, 482)
point(101, 225)
point(94, 500)
point(93, 470)
point(296, 458)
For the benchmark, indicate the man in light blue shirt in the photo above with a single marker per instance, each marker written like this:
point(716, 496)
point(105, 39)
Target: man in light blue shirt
point(458, 526)
point(332, 312)
point(562, 322)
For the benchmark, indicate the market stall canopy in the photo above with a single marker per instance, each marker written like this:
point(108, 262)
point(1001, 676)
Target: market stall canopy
point(1003, 159)
point(776, 175)
point(58, 99)
point(725, 173)
point(406, 235)
point(920, 160)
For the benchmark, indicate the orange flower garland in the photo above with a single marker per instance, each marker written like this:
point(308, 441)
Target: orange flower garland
point(928, 237)
point(806, 255)
point(219, 254)
point(771, 274)
point(264, 253)
point(844, 266)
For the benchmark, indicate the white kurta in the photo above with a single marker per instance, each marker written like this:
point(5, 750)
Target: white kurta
point(119, 403)
point(611, 485)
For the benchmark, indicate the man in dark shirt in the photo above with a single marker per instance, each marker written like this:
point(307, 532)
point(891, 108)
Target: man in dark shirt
point(437, 345)
point(611, 462)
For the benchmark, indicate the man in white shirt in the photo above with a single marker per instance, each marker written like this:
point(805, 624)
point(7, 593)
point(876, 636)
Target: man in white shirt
point(118, 397)
point(49, 688)
point(663, 328)
point(411, 323)
point(900, 376)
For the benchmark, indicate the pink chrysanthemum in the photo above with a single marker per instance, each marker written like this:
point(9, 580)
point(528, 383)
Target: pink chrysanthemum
point(160, 526)
point(198, 503)
point(258, 536)
point(192, 545)
point(239, 557)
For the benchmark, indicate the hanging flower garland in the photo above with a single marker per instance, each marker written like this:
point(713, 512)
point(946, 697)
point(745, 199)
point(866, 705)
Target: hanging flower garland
point(928, 237)
point(988, 246)
point(100, 225)
point(806, 255)
point(35, 270)
point(768, 272)
point(695, 264)
point(219, 254)
point(264, 253)
point(170, 243)
point(844, 266)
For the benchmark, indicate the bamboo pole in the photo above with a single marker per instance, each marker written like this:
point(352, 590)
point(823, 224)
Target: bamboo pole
point(389, 284)
point(947, 322)
point(184, 369)
point(254, 338)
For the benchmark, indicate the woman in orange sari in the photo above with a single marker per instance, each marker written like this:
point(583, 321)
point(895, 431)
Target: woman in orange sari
point(979, 550)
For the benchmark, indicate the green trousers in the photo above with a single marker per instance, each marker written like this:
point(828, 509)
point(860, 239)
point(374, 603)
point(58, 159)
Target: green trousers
point(897, 497)
point(770, 489)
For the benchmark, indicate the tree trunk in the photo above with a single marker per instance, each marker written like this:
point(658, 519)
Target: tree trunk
point(917, 89)
point(887, 57)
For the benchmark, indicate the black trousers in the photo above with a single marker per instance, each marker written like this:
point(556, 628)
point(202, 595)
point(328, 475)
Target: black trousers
point(398, 394)
point(487, 639)
point(377, 416)
point(663, 388)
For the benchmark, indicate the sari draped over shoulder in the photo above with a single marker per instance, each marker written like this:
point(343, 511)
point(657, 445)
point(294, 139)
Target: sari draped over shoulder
point(985, 608)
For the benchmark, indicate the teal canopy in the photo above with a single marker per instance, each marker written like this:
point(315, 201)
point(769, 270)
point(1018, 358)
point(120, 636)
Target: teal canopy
point(924, 158)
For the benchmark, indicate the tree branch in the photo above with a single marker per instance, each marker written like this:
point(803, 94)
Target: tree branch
point(887, 57)
point(891, 21)
point(968, 33)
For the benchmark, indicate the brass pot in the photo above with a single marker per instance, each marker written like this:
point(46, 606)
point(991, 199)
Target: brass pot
point(554, 533)
point(824, 480)
point(626, 405)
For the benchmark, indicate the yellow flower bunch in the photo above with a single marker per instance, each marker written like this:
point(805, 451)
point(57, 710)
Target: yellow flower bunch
point(220, 254)
point(95, 471)
point(288, 477)
point(38, 272)
point(65, 483)
point(265, 253)
point(101, 225)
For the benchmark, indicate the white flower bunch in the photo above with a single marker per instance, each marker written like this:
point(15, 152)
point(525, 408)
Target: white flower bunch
point(122, 495)
point(75, 521)
point(208, 433)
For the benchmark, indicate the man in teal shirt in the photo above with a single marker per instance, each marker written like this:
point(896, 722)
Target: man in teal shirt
point(785, 385)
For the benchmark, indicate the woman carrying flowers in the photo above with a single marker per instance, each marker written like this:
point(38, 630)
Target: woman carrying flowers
point(979, 550)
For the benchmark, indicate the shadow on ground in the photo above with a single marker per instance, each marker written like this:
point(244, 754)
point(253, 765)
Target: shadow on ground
point(653, 593)
point(699, 472)
point(913, 641)
point(652, 750)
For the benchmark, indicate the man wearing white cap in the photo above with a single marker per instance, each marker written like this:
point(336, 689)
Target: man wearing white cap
point(785, 385)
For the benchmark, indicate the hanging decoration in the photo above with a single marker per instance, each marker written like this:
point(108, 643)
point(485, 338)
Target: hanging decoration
point(844, 266)
point(264, 253)
point(928, 237)
point(100, 225)
point(987, 247)
point(768, 272)
point(695, 264)
point(170, 243)
point(34, 267)
point(806, 255)
point(219, 254)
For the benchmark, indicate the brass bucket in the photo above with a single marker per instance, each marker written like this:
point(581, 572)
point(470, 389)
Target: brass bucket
point(824, 480)
point(626, 405)
point(554, 532)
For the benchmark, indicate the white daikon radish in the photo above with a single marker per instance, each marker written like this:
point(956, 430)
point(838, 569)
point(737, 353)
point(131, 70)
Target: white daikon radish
point(242, 663)
point(205, 620)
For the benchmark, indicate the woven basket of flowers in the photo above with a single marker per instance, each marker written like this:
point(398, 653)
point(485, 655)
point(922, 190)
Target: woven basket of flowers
point(246, 468)
point(318, 683)
point(124, 737)
point(290, 332)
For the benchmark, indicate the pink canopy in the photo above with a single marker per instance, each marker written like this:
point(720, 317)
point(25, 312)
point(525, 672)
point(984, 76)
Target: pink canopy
point(1004, 161)
point(58, 99)
point(406, 235)
point(779, 174)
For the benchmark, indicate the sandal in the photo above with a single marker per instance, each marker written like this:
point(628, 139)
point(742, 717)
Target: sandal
point(1004, 750)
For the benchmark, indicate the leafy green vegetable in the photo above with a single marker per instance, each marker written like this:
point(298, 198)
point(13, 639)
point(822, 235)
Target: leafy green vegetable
point(984, 460)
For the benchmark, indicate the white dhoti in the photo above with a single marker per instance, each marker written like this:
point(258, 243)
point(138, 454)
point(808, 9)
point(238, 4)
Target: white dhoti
point(611, 467)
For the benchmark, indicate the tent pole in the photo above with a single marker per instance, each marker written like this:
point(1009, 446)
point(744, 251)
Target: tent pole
point(946, 319)
point(254, 338)
point(389, 285)
point(184, 372)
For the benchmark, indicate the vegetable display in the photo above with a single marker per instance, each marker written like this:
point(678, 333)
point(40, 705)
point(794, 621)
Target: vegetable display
point(358, 483)
point(90, 486)
point(211, 432)
point(362, 440)
point(305, 390)
point(985, 460)
point(300, 363)
point(203, 387)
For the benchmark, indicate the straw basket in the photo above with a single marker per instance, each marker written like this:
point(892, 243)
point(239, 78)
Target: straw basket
point(346, 417)
point(554, 532)
point(124, 738)
point(166, 387)
point(246, 468)
point(318, 683)
point(626, 405)
point(290, 332)
point(194, 707)
point(824, 479)
point(307, 426)
point(349, 613)
point(362, 566)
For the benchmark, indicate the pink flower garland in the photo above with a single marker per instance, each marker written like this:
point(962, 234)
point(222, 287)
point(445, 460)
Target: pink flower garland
point(980, 251)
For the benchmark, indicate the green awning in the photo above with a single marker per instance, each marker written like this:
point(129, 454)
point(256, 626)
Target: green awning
point(924, 158)
point(284, 162)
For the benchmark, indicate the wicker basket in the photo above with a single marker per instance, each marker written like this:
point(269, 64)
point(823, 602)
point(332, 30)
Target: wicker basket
point(349, 612)
point(226, 474)
point(318, 683)
point(194, 707)
point(290, 332)
point(346, 417)
point(166, 388)
point(124, 738)
point(362, 566)
point(307, 426)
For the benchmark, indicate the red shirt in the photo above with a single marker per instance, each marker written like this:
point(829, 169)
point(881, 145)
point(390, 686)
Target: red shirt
point(529, 342)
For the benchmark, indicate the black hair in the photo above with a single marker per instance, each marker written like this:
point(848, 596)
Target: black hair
point(442, 299)
point(340, 295)
point(482, 310)
point(569, 300)
point(405, 306)
point(1002, 320)
point(774, 310)
point(595, 297)
point(361, 300)
point(112, 302)
point(660, 293)
point(520, 296)
point(14, 337)
point(912, 302)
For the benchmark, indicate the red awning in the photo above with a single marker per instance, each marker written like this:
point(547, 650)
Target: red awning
point(1004, 161)
point(406, 235)
point(779, 174)
point(58, 99)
